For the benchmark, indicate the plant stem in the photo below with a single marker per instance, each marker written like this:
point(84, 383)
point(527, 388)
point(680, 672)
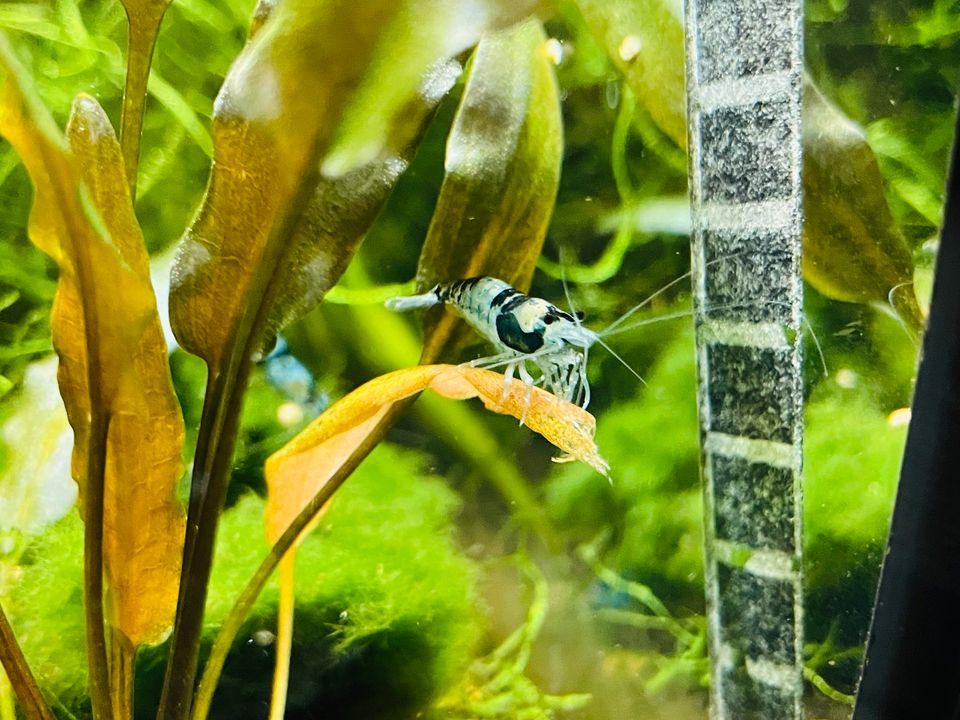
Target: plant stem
point(610, 262)
point(19, 675)
point(228, 374)
point(211, 473)
point(97, 667)
point(246, 599)
point(823, 686)
point(284, 646)
point(123, 656)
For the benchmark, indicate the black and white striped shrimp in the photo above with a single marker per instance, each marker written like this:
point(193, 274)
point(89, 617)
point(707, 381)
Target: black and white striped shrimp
point(523, 329)
point(529, 329)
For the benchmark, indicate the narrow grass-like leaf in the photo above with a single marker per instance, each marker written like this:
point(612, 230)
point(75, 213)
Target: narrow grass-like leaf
point(502, 172)
point(286, 607)
point(852, 249)
point(113, 371)
point(143, 18)
point(271, 236)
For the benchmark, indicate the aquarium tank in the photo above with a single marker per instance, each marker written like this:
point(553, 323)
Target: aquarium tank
point(500, 360)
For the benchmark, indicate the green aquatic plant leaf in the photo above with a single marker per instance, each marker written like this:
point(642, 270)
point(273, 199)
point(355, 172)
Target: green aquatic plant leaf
point(414, 36)
point(644, 40)
point(143, 18)
point(266, 201)
point(917, 181)
point(852, 249)
point(502, 172)
point(261, 12)
point(274, 232)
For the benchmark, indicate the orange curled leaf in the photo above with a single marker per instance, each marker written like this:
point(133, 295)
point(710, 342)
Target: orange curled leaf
point(297, 471)
point(567, 426)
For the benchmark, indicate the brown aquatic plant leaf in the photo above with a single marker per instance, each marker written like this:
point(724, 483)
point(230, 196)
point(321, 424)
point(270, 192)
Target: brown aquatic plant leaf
point(297, 471)
point(852, 250)
point(143, 520)
point(502, 172)
point(113, 372)
point(268, 214)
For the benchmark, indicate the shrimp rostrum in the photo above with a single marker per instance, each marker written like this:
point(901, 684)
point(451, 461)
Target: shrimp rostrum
point(525, 331)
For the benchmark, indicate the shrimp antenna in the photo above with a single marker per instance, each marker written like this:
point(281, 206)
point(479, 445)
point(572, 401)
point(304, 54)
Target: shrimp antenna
point(620, 320)
point(892, 309)
point(647, 321)
point(816, 344)
point(576, 319)
point(566, 287)
point(687, 313)
point(622, 361)
point(894, 289)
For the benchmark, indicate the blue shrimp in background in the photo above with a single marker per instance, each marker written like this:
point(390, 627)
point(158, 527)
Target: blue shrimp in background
point(288, 375)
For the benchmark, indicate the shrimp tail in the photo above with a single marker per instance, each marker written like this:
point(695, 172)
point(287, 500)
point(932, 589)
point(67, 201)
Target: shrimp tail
point(413, 302)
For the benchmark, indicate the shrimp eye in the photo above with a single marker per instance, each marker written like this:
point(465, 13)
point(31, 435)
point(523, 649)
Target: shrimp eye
point(580, 314)
point(549, 319)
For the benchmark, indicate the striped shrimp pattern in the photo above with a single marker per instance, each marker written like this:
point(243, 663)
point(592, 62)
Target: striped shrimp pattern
point(523, 329)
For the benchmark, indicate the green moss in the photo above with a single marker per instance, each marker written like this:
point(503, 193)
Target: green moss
point(385, 602)
point(852, 460)
point(43, 598)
